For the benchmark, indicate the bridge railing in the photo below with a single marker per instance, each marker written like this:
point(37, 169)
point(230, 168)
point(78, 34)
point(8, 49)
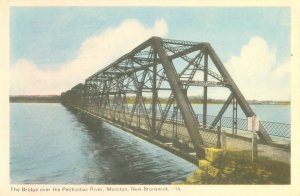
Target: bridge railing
point(273, 128)
point(174, 132)
point(282, 130)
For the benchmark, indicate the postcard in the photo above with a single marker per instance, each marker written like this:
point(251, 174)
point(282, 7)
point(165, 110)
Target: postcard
point(131, 98)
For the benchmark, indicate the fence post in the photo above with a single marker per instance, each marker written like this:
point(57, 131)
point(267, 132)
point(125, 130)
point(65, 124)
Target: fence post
point(224, 146)
point(138, 117)
point(218, 137)
point(254, 148)
point(253, 125)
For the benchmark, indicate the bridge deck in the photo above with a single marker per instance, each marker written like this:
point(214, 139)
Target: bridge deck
point(174, 136)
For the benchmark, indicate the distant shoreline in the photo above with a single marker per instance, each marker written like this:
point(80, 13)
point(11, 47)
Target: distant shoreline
point(35, 99)
point(130, 100)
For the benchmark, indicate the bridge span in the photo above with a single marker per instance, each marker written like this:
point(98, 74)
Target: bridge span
point(147, 92)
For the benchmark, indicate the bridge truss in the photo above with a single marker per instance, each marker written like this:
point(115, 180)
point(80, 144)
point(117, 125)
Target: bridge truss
point(133, 86)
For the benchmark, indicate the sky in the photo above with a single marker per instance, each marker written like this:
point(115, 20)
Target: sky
point(54, 48)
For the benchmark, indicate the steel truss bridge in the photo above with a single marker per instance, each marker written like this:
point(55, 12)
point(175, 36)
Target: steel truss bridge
point(128, 93)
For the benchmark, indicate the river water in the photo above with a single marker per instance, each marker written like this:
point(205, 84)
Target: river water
point(272, 113)
point(51, 145)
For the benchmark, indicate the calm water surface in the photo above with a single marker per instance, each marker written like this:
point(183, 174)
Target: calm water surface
point(51, 145)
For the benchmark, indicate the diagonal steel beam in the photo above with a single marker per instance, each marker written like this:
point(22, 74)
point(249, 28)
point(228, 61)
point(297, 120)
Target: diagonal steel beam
point(181, 98)
point(236, 92)
point(223, 109)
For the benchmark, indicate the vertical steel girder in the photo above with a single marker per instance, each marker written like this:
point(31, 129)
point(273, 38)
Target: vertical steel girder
point(205, 89)
point(154, 93)
point(234, 116)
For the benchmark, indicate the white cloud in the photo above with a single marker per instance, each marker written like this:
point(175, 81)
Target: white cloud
point(257, 74)
point(255, 71)
point(94, 54)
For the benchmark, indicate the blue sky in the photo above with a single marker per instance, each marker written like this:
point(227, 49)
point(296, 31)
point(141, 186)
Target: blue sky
point(58, 32)
point(51, 37)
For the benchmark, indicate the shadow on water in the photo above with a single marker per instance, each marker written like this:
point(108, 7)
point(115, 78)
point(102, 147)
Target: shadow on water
point(117, 157)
